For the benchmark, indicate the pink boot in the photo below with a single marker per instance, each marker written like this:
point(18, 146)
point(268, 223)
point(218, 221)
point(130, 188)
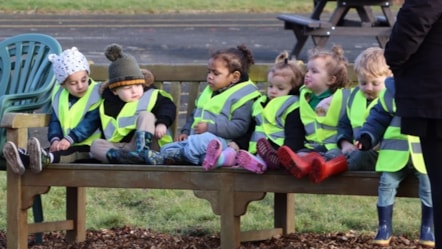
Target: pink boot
point(265, 151)
point(250, 162)
point(214, 149)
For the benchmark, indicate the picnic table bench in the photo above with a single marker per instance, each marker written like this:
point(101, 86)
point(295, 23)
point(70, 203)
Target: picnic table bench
point(320, 28)
point(228, 190)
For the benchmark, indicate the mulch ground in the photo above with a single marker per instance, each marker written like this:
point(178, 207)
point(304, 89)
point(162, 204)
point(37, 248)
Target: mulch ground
point(137, 238)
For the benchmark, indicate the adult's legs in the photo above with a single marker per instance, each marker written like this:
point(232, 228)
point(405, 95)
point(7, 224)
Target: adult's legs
point(431, 149)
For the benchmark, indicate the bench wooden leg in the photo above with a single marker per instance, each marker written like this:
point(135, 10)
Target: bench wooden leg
point(76, 211)
point(230, 223)
point(17, 217)
point(284, 212)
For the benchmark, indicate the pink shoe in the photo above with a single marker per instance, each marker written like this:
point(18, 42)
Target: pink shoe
point(214, 149)
point(250, 162)
point(267, 153)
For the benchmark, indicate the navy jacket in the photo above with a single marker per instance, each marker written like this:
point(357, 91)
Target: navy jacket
point(414, 54)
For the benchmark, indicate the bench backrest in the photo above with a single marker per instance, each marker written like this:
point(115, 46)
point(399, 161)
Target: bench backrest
point(185, 82)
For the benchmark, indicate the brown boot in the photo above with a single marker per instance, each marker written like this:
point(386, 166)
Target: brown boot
point(298, 166)
point(321, 170)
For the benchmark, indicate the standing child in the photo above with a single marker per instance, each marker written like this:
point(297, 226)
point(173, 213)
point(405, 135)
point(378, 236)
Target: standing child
point(223, 110)
point(74, 120)
point(399, 156)
point(134, 117)
point(371, 70)
point(322, 104)
point(271, 113)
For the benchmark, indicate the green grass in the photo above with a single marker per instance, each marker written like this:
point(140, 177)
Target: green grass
point(180, 212)
point(153, 6)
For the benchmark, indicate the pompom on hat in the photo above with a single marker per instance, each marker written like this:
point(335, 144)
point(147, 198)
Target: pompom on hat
point(68, 62)
point(124, 69)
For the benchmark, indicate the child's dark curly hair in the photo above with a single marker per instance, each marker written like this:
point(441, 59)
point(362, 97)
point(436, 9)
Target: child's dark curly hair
point(237, 59)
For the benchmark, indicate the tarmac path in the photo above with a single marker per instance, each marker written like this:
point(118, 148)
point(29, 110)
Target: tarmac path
point(170, 38)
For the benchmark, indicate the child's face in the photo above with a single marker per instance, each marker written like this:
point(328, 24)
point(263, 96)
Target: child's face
point(371, 86)
point(77, 83)
point(129, 93)
point(317, 79)
point(278, 86)
point(218, 75)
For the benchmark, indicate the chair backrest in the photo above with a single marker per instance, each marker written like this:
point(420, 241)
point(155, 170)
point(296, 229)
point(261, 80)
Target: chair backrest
point(26, 75)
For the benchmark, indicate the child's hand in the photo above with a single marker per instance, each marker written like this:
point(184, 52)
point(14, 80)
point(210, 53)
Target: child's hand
point(54, 146)
point(182, 137)
point(63, 144)
point(160, 130)
point(347, 147)
point(199, 128)
point(364, 143)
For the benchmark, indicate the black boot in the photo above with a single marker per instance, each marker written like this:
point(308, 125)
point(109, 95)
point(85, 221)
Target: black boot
point(426, 238)
point(385, 230)
point(120, 156)
point(143, 140)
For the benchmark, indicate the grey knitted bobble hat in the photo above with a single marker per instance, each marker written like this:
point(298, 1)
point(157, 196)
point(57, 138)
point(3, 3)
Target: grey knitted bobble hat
point(123, 69)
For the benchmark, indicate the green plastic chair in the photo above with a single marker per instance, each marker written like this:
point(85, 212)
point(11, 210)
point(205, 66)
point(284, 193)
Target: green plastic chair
point(26, 75)
point(26, 82)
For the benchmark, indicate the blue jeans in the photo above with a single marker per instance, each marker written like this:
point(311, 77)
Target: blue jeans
point(193, 149)
point(390, 181)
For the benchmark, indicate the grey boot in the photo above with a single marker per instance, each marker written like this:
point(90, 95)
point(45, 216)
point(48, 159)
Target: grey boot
point(426, 238)
point(385, 230)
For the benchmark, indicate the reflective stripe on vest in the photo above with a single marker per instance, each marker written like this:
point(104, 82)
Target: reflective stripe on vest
point(273, 118)
point(396, 148)
point(322, 130)
point(259, 129)
point(208, 107)
point(357, 109)
point(116, 129)
point(70, 116)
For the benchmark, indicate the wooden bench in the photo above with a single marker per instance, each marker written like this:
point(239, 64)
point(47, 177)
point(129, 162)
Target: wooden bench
point(320, 29)
point(228, 190)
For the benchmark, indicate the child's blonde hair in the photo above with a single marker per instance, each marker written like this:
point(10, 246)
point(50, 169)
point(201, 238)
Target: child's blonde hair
point(237, 59)
point(288, 69)
point(371, 62)
point(335, 63)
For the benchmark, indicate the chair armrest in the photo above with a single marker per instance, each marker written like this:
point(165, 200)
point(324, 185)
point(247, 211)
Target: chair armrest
point(14, 120)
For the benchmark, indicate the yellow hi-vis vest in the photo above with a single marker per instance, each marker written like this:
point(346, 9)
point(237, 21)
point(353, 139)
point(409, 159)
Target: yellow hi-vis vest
point(270, 120)
point(208, 107)
point(322, 130)
point(71, 116)
point(357, 109)
point(116, 129)
point(396, 148)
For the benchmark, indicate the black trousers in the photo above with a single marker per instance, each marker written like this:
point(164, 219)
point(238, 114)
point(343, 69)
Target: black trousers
point(430, 133)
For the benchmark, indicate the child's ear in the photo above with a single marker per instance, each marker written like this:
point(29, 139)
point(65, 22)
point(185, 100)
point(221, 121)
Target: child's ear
point(114, 92)
point(236, 76)
point(332, 80)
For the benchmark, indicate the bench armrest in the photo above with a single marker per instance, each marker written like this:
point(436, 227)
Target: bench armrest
point(14, 120)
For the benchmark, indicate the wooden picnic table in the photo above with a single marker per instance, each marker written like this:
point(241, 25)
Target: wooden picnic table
point(341, 22)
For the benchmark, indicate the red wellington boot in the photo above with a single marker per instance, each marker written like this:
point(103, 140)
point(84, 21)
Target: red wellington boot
point(321, 170)
point(298, 166)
